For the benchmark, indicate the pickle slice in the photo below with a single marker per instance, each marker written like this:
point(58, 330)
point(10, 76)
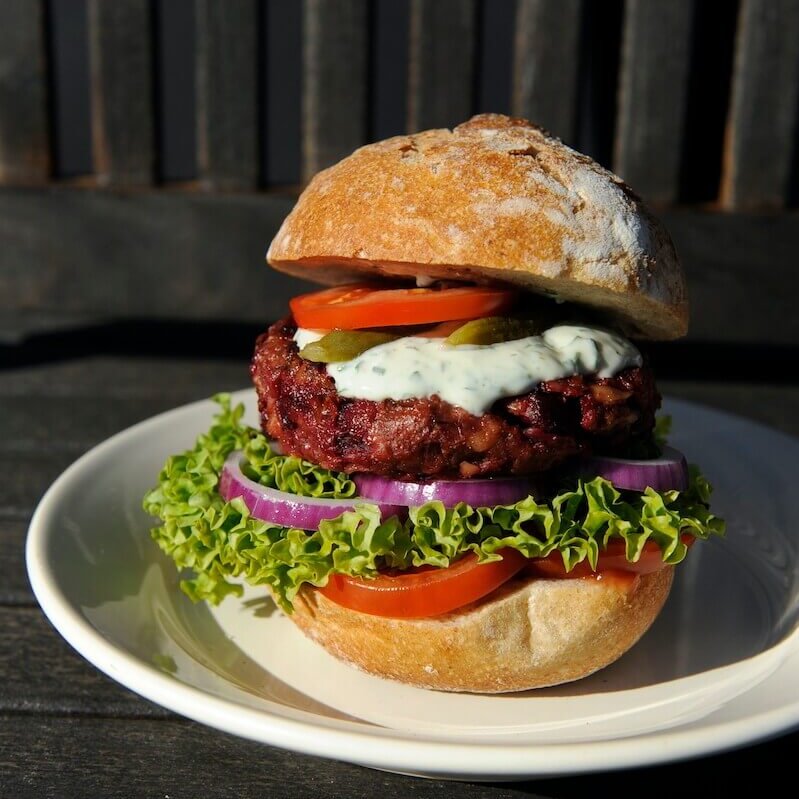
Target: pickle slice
point(343, 345)
point(494, 329)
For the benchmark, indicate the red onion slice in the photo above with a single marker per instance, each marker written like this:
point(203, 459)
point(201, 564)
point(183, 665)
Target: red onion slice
point(666, 473)
point(487, 492)
point(280, 507)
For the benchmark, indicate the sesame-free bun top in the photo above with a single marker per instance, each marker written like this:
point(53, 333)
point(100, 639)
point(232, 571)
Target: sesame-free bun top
point(495, 200)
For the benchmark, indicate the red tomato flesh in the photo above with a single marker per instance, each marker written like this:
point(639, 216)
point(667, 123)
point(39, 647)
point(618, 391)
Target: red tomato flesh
point(428, 591)
point(612, 558)
point(358, 306)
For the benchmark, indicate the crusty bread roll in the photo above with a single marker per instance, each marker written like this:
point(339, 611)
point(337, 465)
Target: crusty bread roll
point(494, 200)
point(530, 633)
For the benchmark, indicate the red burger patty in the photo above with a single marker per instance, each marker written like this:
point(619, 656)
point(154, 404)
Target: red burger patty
point(423, 438)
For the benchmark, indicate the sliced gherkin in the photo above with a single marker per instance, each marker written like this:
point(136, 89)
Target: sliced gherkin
point(494, 329)
point(343, 345)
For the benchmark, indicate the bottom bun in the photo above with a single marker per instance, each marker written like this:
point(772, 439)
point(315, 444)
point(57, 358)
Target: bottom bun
point(529, 633)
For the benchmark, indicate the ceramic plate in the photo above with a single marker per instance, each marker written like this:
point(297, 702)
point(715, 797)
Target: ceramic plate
point(719, 668)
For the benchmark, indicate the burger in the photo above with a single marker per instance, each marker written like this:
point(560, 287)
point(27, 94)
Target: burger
point(460, 481)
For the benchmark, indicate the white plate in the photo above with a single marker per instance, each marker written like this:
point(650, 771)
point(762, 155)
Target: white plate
point(719, 668)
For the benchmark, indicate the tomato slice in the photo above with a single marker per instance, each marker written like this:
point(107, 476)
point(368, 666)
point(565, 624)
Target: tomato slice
point(429, 591)
point(611, 559)
point(361, 305)
point(426, 591)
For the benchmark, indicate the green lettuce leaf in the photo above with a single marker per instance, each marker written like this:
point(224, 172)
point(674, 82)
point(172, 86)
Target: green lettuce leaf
point(289, 473)
point(217, 541)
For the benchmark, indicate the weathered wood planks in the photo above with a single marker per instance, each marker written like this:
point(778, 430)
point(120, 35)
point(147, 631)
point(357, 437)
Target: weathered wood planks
point(763, 122)
point(226, 75)
point(121, 64)
point(653, 87)
point(442, 63)
point(335, 81)
point(546, 64)
point(24, 125)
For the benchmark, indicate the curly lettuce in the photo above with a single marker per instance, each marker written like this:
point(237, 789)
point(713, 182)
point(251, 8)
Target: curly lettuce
point(217, 542)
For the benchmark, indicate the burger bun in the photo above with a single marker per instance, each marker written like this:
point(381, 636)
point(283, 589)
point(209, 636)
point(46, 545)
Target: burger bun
point(530, 633)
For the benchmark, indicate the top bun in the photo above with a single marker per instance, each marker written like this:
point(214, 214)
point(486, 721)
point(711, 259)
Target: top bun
point(496, 200)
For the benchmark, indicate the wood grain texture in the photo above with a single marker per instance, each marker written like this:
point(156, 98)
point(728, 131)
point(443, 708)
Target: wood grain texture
point(653, 88)
point(764, 111)
point(775, 406)
point(152, 254)
point(281, 92)
point(16, 326)
point(128, 379)
point(24, 134)
point(15, 589)
point(78, 757)
point(741, 281)
point(121, 60)
point(26, 476)
point(46, 756)
point(28, 425)
point(335, 81)
point(175, 91)
point(546, 62)
point(159, 255)
point(227, 93)
point(442, 63)
point(388, 96)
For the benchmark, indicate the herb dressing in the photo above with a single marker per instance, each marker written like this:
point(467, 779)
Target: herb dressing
point(475, 376)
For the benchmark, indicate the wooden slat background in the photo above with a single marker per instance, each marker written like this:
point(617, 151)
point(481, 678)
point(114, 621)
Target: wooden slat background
point(763, 125)
point(547, 50)
point(653, 86)
point(336, 73)
point(227, 94)
point(24, 133)
point(276, 91)
point(335, 91)
point(123, 117)
point(441, 63)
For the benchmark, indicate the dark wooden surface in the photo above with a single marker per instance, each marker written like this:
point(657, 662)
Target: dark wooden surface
point(68, 731)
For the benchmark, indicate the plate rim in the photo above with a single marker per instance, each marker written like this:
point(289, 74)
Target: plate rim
point(377, 747)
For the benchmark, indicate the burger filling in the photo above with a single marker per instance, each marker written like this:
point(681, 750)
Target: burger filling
point(421, 447)
point(418, 407)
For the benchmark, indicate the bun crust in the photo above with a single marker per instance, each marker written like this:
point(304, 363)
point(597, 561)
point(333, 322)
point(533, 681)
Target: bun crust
point(527, 634)
point(494, 200)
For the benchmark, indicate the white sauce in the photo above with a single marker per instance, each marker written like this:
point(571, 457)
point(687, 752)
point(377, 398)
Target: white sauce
point(304, 336)
point(476, 376)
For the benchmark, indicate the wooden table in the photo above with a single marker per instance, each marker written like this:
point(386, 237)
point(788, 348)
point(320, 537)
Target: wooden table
point(68, 731)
